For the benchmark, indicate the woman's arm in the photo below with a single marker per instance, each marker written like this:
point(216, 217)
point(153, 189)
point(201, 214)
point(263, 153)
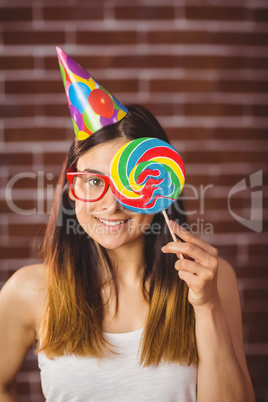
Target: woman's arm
point(17, 327)
point(222, 367)
point(222, 370)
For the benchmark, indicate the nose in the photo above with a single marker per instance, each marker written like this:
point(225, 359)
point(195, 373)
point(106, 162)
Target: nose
point(109, 203)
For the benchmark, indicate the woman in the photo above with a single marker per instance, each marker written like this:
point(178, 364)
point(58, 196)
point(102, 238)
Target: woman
point(115, 314)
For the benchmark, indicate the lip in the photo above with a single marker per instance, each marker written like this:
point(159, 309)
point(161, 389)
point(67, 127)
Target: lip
point(112, 228)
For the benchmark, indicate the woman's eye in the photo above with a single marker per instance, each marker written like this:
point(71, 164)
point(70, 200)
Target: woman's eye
point(95, 182)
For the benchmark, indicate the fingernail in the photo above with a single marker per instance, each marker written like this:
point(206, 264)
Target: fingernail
point(163, 249)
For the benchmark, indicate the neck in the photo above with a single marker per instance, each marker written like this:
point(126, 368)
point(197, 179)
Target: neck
point(128, 262)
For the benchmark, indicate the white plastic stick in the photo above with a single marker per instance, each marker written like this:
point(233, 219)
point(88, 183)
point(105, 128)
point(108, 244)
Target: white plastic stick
point(171, 232)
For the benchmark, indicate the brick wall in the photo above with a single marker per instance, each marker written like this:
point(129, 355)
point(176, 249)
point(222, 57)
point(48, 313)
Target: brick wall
point(200, 66)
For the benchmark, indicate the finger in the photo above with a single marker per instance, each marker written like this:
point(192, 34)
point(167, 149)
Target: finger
point(189, 266)
point(190, 249)
point(192, 281)
point(191, 238)
point(205, 274)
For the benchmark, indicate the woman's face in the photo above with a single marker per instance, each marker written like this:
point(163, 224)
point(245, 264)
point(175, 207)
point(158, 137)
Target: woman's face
point(105, 220)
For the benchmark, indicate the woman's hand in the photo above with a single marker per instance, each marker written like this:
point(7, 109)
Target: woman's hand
point(200, 273)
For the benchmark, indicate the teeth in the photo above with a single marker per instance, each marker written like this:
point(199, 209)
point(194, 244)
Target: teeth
point(110, 223)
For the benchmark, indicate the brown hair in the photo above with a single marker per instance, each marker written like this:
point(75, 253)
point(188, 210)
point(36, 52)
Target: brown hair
point(74, 312)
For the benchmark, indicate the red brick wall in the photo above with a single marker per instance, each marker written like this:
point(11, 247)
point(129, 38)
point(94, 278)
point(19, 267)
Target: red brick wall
point(200, 66)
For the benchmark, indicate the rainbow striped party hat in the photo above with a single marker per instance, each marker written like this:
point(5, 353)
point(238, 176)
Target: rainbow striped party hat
point(91, 106)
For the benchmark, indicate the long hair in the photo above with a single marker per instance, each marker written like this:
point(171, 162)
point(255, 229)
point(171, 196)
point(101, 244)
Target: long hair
point(74, 310)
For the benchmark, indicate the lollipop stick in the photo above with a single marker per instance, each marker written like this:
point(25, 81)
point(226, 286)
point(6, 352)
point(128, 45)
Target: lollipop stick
point(171, 232)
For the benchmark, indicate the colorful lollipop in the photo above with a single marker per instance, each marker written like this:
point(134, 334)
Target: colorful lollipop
point(147, 175)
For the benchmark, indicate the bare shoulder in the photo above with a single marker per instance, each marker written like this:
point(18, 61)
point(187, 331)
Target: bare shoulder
point(227, 279)
point(225, 268)
point(228, 289)
point(27, 279)
point(25, 290)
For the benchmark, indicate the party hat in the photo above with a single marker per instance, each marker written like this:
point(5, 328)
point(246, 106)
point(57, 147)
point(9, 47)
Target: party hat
point(91, 106)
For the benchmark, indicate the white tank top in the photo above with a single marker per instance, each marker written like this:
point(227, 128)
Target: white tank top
point(118, 379)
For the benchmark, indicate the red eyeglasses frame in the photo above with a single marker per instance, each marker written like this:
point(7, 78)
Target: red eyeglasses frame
point(70, 175)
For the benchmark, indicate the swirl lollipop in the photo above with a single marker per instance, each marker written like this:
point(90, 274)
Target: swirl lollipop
point(147, 176)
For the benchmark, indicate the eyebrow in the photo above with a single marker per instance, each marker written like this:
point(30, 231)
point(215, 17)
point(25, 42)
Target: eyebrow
point(93, 171)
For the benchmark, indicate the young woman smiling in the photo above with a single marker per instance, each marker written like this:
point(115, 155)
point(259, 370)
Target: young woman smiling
point(115, 314)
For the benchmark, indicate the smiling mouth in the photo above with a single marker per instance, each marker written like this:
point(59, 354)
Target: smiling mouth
point(112, 223)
